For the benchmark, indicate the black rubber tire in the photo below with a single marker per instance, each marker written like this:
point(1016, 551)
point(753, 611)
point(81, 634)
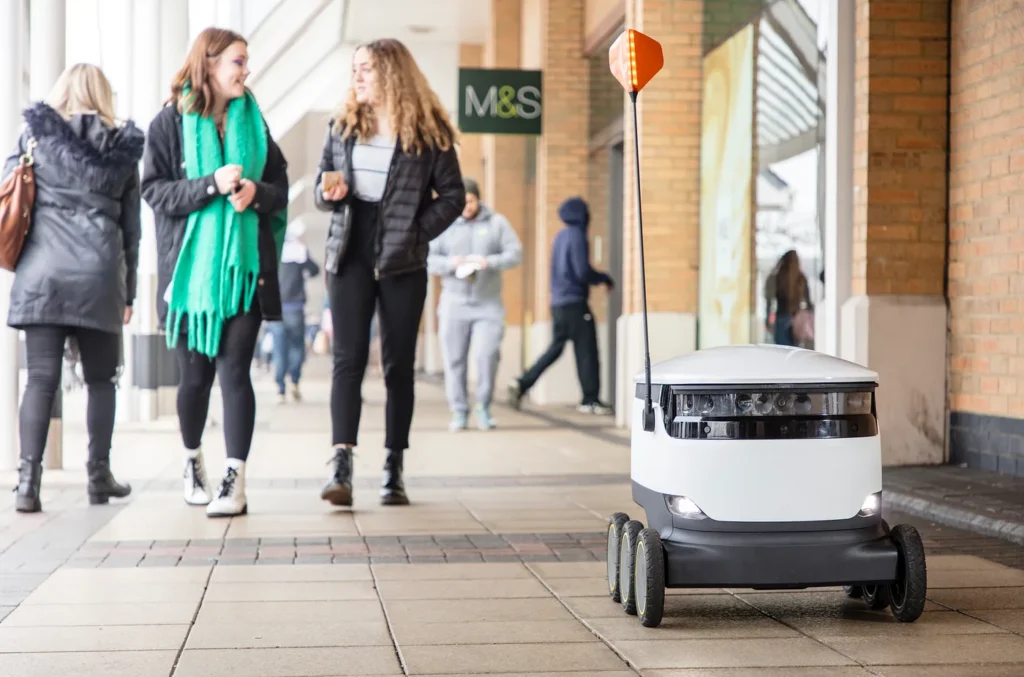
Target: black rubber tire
point(615, 524)
point(853, 591)
point(627, 565)
point(876, 597)
point(907, 594)
point(649, 579)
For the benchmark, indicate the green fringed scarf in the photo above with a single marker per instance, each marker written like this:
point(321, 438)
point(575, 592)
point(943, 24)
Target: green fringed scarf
point(216, 273)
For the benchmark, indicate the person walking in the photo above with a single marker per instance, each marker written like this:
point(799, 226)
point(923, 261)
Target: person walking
point(571, 279)
point(470, 258)
point(218, 185)
point(788, 286)
point(76, 275)
point(390, 177)
point(297, 266)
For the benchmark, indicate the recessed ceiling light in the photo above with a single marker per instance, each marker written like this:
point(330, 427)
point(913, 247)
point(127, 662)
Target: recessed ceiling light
point(421, 30)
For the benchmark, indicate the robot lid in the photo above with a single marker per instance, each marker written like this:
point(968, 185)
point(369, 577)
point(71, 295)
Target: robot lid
point(758, 364)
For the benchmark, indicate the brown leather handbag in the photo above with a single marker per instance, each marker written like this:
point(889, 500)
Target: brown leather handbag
point(17, 195)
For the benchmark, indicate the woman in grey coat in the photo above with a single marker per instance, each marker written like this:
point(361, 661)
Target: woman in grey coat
point(77, 271)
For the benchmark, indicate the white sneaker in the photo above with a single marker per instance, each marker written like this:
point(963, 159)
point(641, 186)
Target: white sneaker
point(230, 500)
point(596, 409)
point(197, 490)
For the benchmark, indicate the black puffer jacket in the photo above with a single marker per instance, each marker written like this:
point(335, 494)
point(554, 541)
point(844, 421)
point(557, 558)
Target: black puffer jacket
point(411, 216)
point(78, 265)
point(173, 197)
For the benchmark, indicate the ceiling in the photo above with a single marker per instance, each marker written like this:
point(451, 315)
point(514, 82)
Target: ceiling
point(418, 21)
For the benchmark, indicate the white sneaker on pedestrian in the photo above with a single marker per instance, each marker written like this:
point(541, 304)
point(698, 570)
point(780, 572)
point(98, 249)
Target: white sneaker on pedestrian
point(197, 490)
point(230, 500)
point(595, 408)
point(483, 418)
point(460, 421)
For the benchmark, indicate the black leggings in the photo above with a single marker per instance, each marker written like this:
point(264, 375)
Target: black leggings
point(354, 296)
point(237, 348)
point(100, 353)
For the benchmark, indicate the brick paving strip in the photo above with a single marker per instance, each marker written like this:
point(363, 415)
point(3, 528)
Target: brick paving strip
point(586, 547)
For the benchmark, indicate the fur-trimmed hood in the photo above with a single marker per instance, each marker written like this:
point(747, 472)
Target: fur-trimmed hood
point(84, 144)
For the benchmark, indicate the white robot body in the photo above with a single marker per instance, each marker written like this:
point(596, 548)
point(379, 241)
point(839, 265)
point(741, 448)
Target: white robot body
point(774, 475)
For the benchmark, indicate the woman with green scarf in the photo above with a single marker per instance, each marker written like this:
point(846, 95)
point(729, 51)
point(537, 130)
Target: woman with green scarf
point(218, 186)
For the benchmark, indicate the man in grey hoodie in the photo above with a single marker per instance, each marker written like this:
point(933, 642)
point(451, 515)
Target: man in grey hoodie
point(470, 257)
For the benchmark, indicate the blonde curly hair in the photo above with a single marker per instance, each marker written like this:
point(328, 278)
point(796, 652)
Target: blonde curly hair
point(416, 113)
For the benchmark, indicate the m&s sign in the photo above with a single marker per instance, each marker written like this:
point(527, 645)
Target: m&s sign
point(499, 101)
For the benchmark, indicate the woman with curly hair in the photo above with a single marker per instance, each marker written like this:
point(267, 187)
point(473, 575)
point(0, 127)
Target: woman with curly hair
point(390, 177)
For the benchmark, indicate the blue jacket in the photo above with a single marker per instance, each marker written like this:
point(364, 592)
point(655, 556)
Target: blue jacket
point(571, 274)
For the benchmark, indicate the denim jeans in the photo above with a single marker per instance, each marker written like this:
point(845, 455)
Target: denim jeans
point(289, 346)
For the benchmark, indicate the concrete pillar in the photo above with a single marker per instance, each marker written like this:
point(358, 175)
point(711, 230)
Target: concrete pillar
point(669, 121)
point(47, 56)
point(562, 154)
point(896, 320)
point(839, 131)
point(174, 42)
point(10, 122)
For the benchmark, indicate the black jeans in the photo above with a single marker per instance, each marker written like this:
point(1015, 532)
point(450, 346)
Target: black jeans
point(237, 349)
point(354, 296)
point(574, 323)
point(100, 353)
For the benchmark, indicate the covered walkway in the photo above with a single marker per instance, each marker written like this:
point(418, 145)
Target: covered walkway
point(496, 568)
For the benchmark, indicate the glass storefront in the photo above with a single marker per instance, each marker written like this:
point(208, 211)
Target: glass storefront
point(762, 167)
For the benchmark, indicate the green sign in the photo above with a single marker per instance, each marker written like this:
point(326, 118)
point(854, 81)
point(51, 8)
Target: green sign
point(499, 101)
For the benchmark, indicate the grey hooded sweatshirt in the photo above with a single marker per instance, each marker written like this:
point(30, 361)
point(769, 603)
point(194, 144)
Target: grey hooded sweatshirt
point(489, 235)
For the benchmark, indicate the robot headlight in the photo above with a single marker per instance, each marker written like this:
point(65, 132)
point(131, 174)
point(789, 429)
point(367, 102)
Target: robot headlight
point(771, 402)
point(872, 505)
point(684, 507)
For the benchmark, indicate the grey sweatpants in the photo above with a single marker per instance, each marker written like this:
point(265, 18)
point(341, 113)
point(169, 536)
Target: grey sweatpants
point(459, 327)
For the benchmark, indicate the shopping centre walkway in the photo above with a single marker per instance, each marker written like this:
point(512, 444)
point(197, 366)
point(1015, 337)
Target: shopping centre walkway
point(497, 568)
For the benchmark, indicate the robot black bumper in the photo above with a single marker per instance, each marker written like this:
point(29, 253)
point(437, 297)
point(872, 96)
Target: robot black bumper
point(779, 560)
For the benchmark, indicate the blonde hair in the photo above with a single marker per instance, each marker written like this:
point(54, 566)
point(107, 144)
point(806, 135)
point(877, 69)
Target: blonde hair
point(83, 88)
point(417, 115)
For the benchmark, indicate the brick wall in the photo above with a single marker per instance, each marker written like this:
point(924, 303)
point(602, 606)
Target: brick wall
point(986, 230)
point(562, 150)
point(605, 95)
point(900, 147)
point(504, 157)
point(670, 161)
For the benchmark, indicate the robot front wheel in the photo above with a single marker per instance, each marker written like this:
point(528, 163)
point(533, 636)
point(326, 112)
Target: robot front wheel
point(636, 569)
point(905, 596)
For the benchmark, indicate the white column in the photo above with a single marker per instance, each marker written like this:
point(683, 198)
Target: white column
point(174, 41)
point(11, 63)
point(839, 130)
point(47, 55)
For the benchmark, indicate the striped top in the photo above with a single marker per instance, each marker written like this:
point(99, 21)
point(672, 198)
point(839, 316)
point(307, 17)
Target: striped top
point(370, 164)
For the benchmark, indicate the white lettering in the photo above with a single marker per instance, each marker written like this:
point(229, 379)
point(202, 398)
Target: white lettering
point(529, 100)
point(483, 108)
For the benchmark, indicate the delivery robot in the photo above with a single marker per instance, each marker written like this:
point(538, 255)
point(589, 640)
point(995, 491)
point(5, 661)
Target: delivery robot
point(757, 466)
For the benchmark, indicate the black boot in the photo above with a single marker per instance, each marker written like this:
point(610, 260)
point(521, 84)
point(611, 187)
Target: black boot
point(392, 489)
point(338, 490)
point(30, 474)
point(102, 485)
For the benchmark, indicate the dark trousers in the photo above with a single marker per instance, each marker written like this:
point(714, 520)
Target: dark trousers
point(574, 323)
point(289, 347)
point(237, 348)
point(354, 296)
point(100, 353)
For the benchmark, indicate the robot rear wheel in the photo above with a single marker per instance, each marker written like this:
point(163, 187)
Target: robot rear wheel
point(616, 523)
point(627, 565)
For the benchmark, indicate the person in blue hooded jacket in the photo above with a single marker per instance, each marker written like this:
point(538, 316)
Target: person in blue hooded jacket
point(571, 279)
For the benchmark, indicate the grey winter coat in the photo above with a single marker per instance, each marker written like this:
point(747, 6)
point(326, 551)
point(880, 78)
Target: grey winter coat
point(489, 235)
point(78, 265)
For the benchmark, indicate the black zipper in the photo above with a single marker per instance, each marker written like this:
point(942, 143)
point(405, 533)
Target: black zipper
point(380, 211)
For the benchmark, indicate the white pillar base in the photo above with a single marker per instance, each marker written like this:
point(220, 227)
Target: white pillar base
point(671, 335)
point(903, 338)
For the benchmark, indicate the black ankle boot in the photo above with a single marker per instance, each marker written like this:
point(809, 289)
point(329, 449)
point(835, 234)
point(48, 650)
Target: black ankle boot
point(30, 475)
point(338, 490)
point(392, 489)
point(102, 485)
